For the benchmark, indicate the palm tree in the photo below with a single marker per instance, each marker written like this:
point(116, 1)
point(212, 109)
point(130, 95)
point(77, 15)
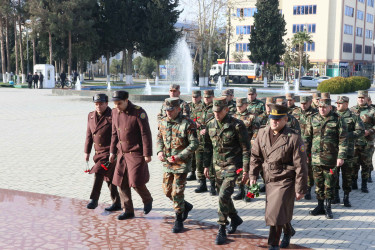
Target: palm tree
point(299, 39)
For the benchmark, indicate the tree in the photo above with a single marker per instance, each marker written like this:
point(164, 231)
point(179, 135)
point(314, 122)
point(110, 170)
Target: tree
point(299, 39)
point(266, 40)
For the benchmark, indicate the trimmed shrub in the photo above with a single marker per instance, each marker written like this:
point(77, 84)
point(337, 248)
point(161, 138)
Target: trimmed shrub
point(360, 82)
point(339, 85)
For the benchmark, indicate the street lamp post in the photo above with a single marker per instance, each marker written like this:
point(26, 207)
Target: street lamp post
point(27, 50)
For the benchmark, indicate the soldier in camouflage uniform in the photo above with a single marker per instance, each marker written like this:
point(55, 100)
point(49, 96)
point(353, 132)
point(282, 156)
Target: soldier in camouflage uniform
point(176, 142)
point(263, 118)
point(301, 114)
point(207, 115)
point(290, 103)
point(315, 100)
point(356, 129)
point(292, 121)
point(174, 91)
point(229, 94)
point(369, 180)
point(252, 124)
point(326, 95)
point(364, 144)
point(227, 143)
point(326, 141)
point(255, 106)
point(196, 110)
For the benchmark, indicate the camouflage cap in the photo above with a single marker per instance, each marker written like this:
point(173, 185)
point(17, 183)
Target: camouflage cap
point(289, 96)
point(362, 93)
point(325, 95)
point(241, 101)
point(209, 93)
point(280, 101)
point(305, 99)
point(324, 102)
point(219, 103)
point(316, 95)
point(100, 98)
point(277, 111)
point(120, 95)
point(342, 99)
point(172, 103)
point(197, 93)
point(270, 100)
point(227, 92)
point(252, 90)
point(174, 87)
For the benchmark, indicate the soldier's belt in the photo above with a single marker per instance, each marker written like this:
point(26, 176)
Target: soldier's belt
point(277, 166)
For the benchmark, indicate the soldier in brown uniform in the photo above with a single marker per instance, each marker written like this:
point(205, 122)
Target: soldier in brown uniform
point(99, 131)
point(280, 151)
point(132, 143)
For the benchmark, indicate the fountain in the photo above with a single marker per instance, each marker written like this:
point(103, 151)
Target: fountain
point(148, 88)
point(296, 86)
point(78, 84)
point(286, 87)
point(108, 85)
point(219, 84)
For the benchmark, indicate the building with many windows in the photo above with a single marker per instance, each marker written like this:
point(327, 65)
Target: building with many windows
point(342, 32)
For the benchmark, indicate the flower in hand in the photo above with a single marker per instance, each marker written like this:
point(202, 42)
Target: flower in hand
point(105, 165)
point(239, 171)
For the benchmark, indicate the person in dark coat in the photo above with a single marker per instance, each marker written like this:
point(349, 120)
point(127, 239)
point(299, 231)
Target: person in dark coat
point(35, 80)
point(30, 80)
point(132, 143)
point(41, 77)
point(280, 152)
point(62, 78)
point(99, 133)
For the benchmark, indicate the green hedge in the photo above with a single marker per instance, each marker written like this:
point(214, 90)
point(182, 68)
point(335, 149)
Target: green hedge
point(339, 85)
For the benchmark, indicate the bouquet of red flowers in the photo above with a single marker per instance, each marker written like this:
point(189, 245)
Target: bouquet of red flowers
point(252, 191)
point(86, 168)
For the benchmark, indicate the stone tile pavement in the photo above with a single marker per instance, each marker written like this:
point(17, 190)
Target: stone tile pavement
point(41, 150)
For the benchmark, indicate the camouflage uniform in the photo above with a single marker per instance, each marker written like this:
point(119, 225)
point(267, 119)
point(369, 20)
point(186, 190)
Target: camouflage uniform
point(231, 103)
point(257, 106)
point(290, 96)
point(263, 118)
point(176, 137)
point(316, 95)
point(227, 143)
point(184, 109)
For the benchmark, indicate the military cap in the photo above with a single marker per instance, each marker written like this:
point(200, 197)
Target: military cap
point(270, 100)
point(316, 95)
point(227, 92)
point(208, 93)
point(342, 99)
point(305, 99)
point(324, 102)
point(325, 95)
point(362, 93)
point(241, 101)
point(252, 90)
point(289, 96)
point(277, 111)
point(280, 101)
point(197, 93)
point(172, 103)
point(100, 98)
point(174, 87)
point(120, 95)
point(219, 103)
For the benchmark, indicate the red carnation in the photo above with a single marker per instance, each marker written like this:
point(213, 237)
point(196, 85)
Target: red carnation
point(173, 158)
point(331, 171)
point(86, 171)
point(238, 171)
point(250, 195)
point(103, 166)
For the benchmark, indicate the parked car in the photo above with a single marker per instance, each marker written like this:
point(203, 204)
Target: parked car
point(323, 78)
point(308, 81)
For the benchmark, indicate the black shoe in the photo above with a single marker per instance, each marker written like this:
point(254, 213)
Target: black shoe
point(364, 186)
point(346, 201)
point(147, 207)
point(234, 223)
point(202, 186)
point(221, 237)
point(273, 247)
point(213, 188)
point(191, 176)
point(369, 180)
point(354, 184)
point(125, 216)
point(336, 198)
point(113, 207)
point(241, 193)
point(308, 194)
point(286, 239)
point(328, 209)
point(319, 210)
point(262, 189)
point(92, 204)
point(188, 208)
point(178, 224)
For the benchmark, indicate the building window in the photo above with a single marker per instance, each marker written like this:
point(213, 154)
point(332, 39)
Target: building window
point(348, 29)
point(361, 1)
point(347, 47)
point(359, 15)
point(369, 18)
point(349, 11)
point(370, 3)
point(368, 50)
point(359, 32)
point(243, 30)
point(246, 12)
point(304, 10)
point(358, 49)
point(309, 46)
point(242, 47)
point(310, 28)
point(369, 34)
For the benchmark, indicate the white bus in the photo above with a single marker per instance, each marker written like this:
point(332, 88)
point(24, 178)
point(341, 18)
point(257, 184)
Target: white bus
point(238, 72)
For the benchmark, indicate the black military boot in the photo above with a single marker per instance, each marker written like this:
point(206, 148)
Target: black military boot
point(92, 204)
point(364, 186)
point(336, 197)
point(178, 224)
point(221, 237)
point(147, 208)
point(262, 189)
point(241, 193)
point(188, 208)
point(308, 194)
point(286, 239)
point(369, 180)
point(191, 176)
point(319, 210)
point(354, 184)
point(113, 207)
point(234, 223)
point(212, 188)
point(346, 200)
point(202, 186)
point(328, 209)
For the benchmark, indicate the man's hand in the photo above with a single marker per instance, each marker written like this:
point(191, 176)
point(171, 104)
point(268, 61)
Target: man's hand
point(252, 182)
point(340, 162)
point(206, 173)
point(147, 159)
point(87, 157)
point(161, 156)
point(299, 196)
point(111, 158)
point(202, 132)
point(173, 159)
point(367, 132)
point(198, 124)
point(245, 177)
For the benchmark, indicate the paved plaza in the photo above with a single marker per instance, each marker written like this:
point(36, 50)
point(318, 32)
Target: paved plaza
point(42, 140)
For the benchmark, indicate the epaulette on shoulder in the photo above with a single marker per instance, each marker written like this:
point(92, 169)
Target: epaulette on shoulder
point(137, 107)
